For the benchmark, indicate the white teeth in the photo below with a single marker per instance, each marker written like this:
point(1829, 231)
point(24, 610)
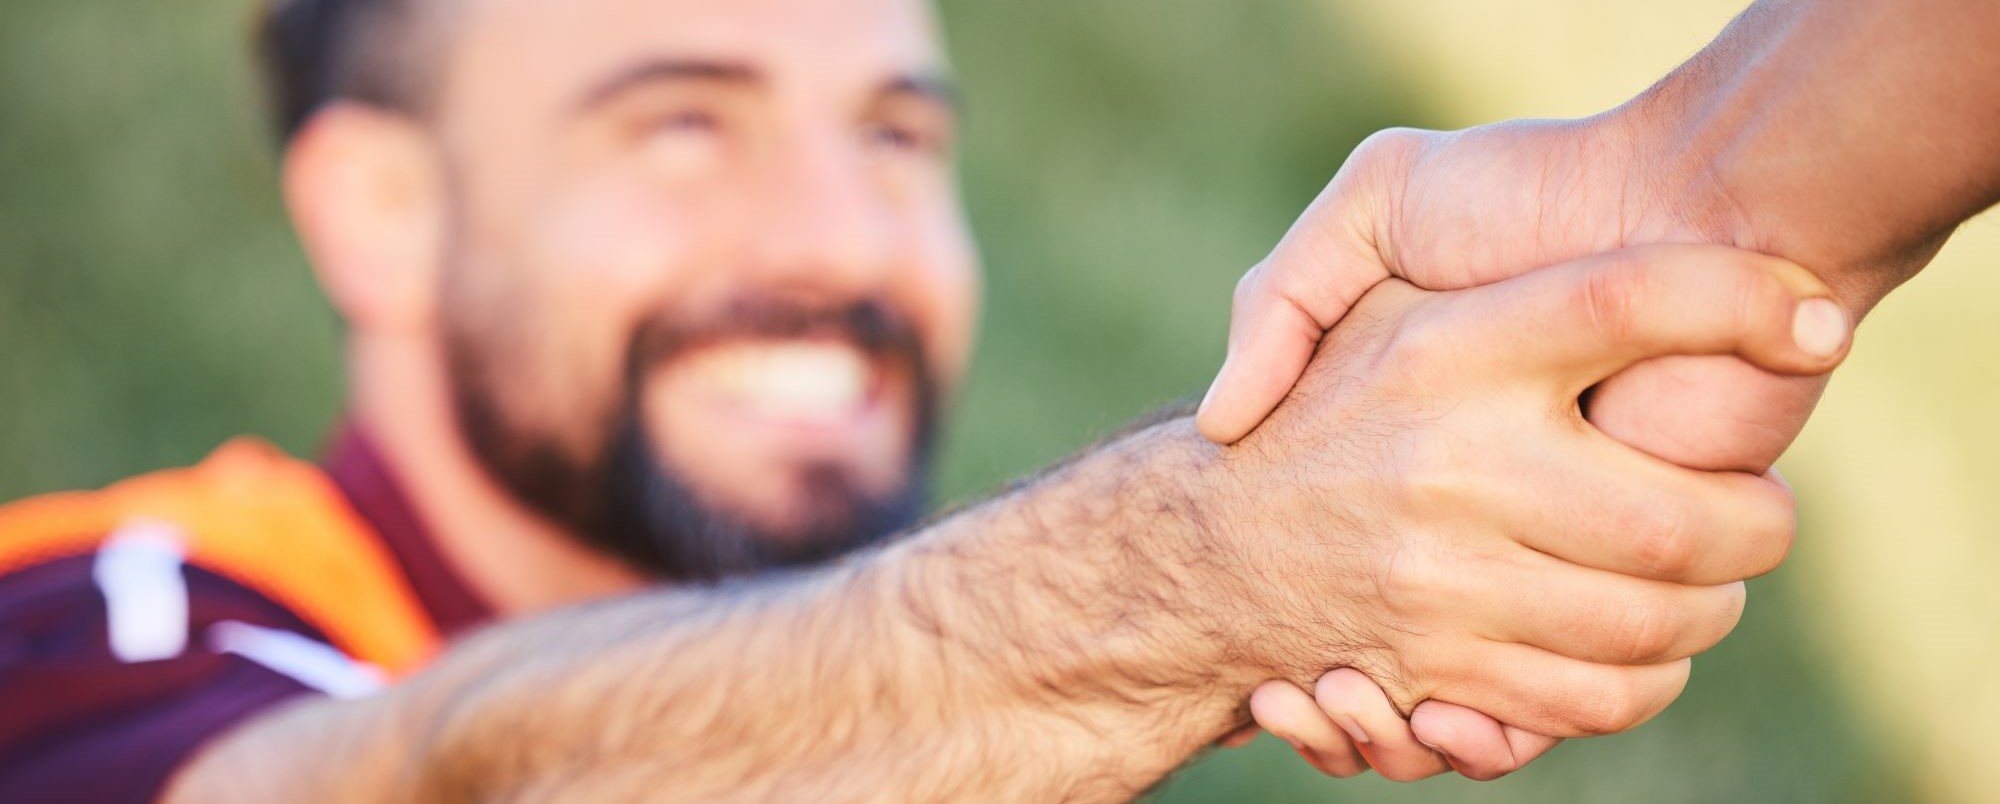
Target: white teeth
point(800, 381)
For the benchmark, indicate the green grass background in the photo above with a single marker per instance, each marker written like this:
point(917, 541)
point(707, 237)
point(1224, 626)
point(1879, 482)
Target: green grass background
point(1125, 160)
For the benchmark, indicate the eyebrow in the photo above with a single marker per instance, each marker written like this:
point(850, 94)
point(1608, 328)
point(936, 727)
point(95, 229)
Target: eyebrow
point(932, 87)
point(654, 71)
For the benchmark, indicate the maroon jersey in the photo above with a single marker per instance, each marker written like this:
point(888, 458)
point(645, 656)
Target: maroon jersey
point(139, 622)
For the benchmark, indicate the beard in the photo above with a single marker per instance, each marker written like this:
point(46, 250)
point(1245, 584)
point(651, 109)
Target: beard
point(628, 502)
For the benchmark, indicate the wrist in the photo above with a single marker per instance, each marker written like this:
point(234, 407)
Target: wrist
point(1084, 594)
point(1182, 564)
point(1707, 153)
point(1670, 168)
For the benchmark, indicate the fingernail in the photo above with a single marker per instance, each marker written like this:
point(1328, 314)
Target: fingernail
point(1352, 728)
point(1417, 719)
point(1819, 327)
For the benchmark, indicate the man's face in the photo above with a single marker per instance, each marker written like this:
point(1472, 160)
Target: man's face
point(708, 272)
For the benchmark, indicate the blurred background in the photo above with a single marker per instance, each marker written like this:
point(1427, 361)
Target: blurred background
point(1126, 159)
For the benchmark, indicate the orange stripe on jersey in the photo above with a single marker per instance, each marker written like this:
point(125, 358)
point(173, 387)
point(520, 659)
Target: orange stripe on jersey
point(264, 520)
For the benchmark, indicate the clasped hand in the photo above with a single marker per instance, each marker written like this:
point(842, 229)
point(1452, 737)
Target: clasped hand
point(1430, 509)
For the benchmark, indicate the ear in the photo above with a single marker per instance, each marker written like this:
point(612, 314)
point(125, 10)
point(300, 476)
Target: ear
point(367, 195)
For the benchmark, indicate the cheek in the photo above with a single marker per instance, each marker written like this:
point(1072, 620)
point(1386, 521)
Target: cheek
point(592, 265)
point(612, 255)
point(614, 240)
point(947, 290)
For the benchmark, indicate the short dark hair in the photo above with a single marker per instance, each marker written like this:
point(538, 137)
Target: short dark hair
point(315, 51)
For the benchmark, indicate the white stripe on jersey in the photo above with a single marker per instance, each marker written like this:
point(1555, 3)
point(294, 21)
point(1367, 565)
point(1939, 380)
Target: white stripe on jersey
point(138, 570)
point(302, 658)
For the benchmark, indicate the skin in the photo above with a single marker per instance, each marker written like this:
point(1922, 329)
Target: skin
point(1765, 140)
point(1076, 638)
point(684, 172)
point(776, 147)
point(1087, 633)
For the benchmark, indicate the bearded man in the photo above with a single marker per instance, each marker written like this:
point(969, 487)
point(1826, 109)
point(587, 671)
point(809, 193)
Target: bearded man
point(651, 309)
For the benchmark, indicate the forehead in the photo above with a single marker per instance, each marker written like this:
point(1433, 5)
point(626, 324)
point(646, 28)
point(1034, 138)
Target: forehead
point(527, 49)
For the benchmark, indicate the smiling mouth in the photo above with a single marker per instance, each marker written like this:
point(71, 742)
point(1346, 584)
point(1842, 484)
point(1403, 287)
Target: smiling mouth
point(810, 384)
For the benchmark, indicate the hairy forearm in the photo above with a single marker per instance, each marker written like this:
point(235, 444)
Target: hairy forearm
point(1040, 646)
point(1851, 136)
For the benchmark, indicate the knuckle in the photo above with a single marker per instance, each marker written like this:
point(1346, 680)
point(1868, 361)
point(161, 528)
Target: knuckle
point(1662, 540)
point(1643, 631)
point(1772, 530)
point(1348, 770)
point(1248, 286)
point(1404, 772)
point(1417, 346)
point(1729, 603)
point(1606, 705)
point(1755, 293)
point(1391, 144)
point(1609, 298)
point(1407, 581)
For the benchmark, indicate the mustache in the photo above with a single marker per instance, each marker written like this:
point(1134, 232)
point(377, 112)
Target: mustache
point(652, 518)
point(870, 325)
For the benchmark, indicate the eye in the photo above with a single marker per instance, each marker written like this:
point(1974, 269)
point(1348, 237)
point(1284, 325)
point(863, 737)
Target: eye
point(902, 139)
point(683, 139)
point(687, 121)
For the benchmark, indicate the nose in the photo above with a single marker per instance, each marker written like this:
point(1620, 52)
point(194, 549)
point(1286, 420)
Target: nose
point(832, 222)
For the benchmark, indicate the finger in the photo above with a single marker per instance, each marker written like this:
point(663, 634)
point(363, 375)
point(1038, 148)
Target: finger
point(1477, 746)
point(1603, 617)
point(1589, 318)
point(1270, 341)
point(1289, 714)
point(1326, 262)
point(1545, 693)
point(1240, 737)
point(1360, 708)
point(1653, 407)
point(1633, 514)
point(1282, 308)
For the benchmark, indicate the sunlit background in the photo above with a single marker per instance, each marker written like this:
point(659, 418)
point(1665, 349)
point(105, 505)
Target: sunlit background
point(1126, 160)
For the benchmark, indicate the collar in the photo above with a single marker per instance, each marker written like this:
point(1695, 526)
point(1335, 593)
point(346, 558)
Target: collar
point(364, 477)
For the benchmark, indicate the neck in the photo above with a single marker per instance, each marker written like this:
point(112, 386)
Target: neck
point(520, 562)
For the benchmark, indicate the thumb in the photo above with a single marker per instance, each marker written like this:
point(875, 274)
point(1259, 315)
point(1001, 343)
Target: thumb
point(1320, 269)
point(1282, 308)
point(1477, 746)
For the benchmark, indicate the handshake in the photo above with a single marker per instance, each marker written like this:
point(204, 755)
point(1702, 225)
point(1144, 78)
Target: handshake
point(1502, 467)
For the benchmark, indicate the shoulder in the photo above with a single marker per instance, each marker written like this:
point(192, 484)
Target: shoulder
point(116, 664)
point(254, 516)
point(140, 620)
